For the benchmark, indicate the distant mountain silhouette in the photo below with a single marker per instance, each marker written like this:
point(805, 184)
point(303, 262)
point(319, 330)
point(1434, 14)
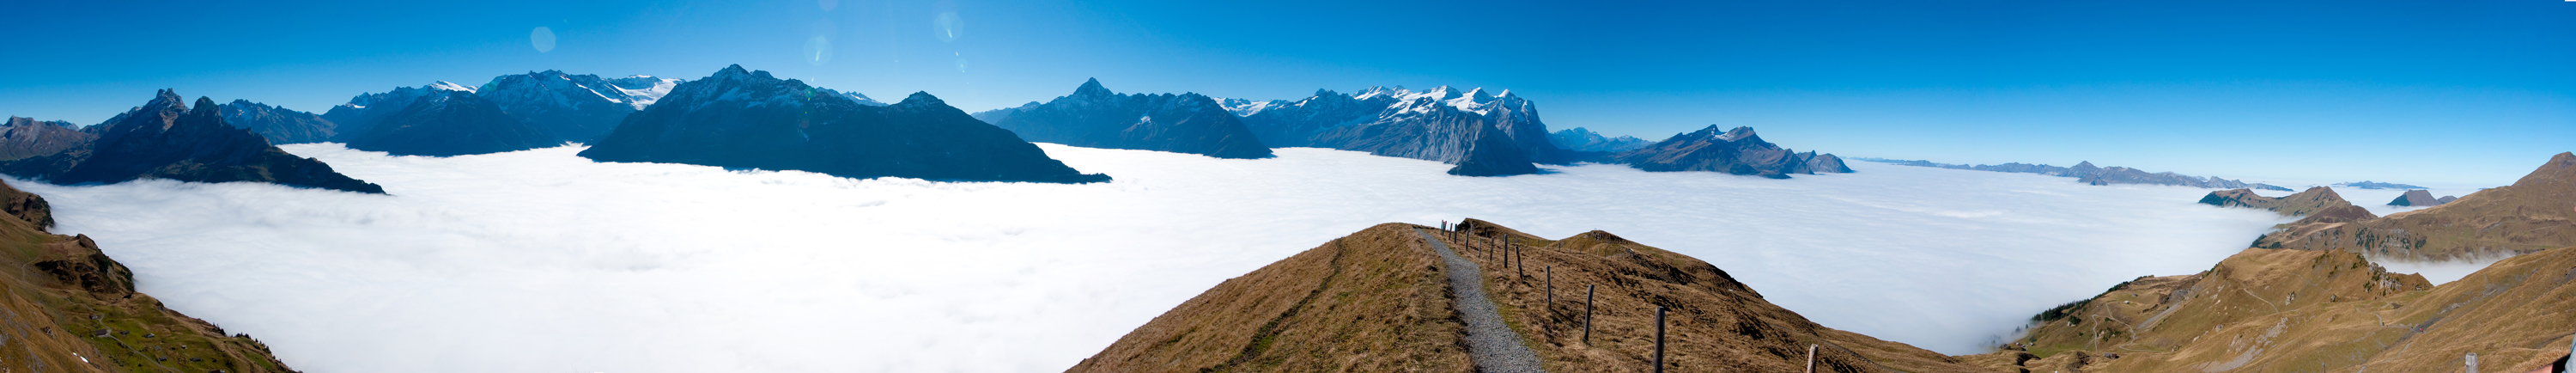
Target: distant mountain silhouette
point(749, 119)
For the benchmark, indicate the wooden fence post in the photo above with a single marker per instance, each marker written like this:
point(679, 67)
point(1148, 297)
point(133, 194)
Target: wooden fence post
point(2473, 362)
point(1659, 340)
point(1811, 358)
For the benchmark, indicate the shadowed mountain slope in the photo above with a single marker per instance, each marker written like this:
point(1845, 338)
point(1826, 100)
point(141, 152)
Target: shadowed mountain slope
point(1376, 301)
point(451, 123)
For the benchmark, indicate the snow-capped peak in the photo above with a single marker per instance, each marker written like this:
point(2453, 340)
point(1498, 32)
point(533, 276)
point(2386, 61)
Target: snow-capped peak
point(445, 86)
point(1245, 108)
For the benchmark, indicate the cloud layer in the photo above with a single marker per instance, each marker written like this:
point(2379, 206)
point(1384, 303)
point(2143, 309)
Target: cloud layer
point(541, 261)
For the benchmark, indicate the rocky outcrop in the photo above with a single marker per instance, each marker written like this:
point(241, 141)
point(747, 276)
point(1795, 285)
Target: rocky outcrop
point(2418, 197)
point(749, 119)
point(166, 139)
point(2533, 214)
point(72, 308)
point(2299, 204)
point(1738, 151)
point(279, 125)
point(1584, 140)
point(27, 137)
point(451, 123)
point(1378, 301)
point(1095, 117)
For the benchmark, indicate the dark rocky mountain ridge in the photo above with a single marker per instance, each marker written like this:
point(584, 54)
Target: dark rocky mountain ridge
point(167, 139)
point(738, 118)
point(1738, 151)
point(279, 125)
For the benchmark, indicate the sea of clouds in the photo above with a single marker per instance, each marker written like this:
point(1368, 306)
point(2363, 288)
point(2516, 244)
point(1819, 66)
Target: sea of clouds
point(541, 261)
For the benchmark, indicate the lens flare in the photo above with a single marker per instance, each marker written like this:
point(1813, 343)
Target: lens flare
point(543, 38)
point(818, 50)
point(949, 27)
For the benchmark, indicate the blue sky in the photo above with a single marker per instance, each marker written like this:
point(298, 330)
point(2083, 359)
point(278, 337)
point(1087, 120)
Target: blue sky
point(2467, 93)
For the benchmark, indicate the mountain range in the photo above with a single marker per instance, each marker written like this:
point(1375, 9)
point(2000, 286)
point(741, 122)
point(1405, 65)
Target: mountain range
point(739, 118)
point(2086, 172)
point(2533, 214)
point(1580, 139)
point(167, 139)
point(1093, 116)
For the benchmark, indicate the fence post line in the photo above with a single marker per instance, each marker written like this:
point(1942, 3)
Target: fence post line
point(1551, 288)
point(1659, 340)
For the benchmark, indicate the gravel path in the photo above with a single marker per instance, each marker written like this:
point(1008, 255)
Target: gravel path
point(1490, 343)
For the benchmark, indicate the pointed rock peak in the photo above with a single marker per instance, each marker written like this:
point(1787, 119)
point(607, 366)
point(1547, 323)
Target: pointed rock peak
point(167, 98)
point(242, 102)
point(1092, 88)
point(922, 98)
point(203, 104)
point(1480, 95)
point(734, 70)
point(2086, 164)
point(1735, 134)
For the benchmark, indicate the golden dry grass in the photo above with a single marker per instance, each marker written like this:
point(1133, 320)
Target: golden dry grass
point(60, 291)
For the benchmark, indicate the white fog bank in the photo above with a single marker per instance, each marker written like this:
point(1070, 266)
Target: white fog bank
point(541, 261)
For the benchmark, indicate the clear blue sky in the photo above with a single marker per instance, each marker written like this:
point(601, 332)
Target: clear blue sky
point(2472, 92)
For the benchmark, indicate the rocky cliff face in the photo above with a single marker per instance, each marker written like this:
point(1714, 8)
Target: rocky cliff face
point(1379, 301)
point(451, 123)
point(1093, 116)
point(72, 308)
point(167, 139)
point(279, 125)
point(2533, 214)
point(749, 119)
point(1738, 151)
point(27, 137)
